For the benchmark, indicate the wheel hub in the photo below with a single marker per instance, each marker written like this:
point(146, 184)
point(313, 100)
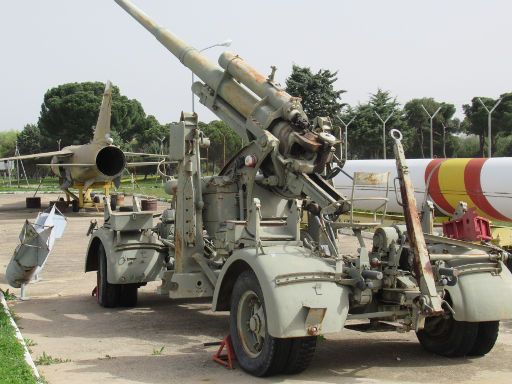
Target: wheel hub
point(251, 323)
point(255, 323)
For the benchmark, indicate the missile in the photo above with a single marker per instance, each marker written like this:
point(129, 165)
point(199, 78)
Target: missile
point(36, 242)
point(480, 182)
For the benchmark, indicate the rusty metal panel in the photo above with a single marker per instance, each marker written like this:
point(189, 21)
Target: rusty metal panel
point(430, 300)
point(371, 178)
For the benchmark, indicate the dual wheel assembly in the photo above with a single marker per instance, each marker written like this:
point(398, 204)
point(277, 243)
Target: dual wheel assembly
point(260, 354)
point(113, 295)
point(446, 336)
point(263, 355)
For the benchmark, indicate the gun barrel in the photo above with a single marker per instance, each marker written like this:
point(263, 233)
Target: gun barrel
point(236, 96)
point(252, 79)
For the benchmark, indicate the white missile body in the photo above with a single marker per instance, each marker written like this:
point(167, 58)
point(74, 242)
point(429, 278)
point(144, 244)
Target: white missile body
point(484, 184)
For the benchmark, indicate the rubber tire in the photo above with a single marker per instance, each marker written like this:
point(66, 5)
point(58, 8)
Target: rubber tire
point(75, 205)
point(456, 341)
point(302, 350)
point(128, 295)
point(107, 294)
point(486, 338)
point(274, 356)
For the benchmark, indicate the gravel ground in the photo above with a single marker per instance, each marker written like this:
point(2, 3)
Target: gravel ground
point(117, 346)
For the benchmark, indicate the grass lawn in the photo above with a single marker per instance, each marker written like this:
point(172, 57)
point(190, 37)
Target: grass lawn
point(48, 184)
point(151, 187)
point(13, 368)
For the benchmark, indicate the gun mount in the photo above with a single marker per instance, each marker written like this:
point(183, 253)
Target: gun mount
point(236, 236)
point(286, 147)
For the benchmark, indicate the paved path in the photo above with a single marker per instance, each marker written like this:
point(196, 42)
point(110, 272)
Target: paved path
point(116, 346)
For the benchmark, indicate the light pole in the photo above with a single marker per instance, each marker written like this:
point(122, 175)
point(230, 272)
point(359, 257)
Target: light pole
point(384, 132)
point(346, 135)
point(431, 129)
point(489, 113)
point(207, 159)
point(16, 153)
point(224, 149)
point(225, 43)
point(162, 139)
point(444, 140)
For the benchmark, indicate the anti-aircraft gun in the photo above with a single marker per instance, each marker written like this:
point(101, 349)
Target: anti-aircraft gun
point(236, 236)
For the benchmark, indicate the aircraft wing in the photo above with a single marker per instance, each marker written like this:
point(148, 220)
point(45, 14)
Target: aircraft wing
point(65, 165)
point(38, 155)
point(144, 154)
point(145, 163)
point(129, 165)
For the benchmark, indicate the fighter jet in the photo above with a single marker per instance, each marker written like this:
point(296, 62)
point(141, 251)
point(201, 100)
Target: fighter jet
point(97, 164)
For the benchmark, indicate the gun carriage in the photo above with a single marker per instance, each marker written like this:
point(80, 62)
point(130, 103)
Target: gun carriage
point(236, 237)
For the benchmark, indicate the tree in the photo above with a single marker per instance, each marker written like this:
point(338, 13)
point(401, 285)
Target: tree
point(503, 114)
point(7, 143)
point(451, 134)
point(224, 142)
point(417, 119)
point(319, 98)
point(475, 121)
point(502, 145)
point(365, 133)
point(118, 141)
point(465, 145)
point(69, 112)
point(29, 140)
point(148, 138)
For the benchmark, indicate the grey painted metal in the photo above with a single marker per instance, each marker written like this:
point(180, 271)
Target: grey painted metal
point(225, 43)
point(207, 71)
point(268, 117)
point(264, 106)
point(248, 217)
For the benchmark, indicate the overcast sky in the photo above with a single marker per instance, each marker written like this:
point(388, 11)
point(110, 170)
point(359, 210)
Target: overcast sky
point(450, 50)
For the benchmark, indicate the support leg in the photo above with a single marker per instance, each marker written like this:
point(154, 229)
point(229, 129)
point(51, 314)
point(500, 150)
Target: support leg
point(80, 198)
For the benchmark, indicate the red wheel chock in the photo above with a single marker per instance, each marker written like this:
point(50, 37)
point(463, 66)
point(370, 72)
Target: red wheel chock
point(228, 357)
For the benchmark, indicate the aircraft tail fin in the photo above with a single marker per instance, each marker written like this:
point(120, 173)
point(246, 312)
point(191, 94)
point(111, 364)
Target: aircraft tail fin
point(102, 130)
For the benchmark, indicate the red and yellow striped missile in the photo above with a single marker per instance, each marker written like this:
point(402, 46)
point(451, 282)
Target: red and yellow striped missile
point(482, 183)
